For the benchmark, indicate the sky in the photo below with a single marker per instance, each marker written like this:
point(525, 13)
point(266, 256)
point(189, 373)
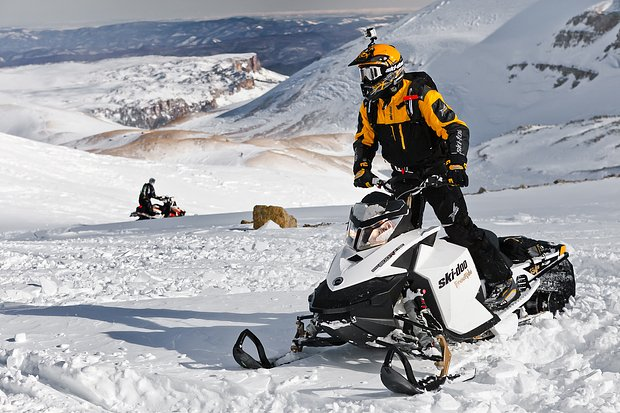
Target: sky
point(77, 13)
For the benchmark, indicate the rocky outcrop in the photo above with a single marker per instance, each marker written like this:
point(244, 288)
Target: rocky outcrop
point(564, 73)
point(586, 28)
point(155, 115)
point(615, 45)
point(225, 78)
point(261, 214)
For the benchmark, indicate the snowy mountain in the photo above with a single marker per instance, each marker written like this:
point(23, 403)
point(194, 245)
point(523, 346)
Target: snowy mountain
point(564, 67)
point(145, 92)
point(500, 64)
point(306, 122)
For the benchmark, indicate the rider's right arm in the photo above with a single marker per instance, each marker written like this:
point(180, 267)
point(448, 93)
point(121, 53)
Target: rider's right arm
point(365, 145)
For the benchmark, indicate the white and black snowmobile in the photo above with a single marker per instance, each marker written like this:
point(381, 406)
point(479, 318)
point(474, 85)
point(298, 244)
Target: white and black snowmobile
point(167, 209)
point(411, 291)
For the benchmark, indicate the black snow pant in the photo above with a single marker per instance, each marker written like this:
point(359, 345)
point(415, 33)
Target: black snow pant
point(451, 210)
point(147, 205)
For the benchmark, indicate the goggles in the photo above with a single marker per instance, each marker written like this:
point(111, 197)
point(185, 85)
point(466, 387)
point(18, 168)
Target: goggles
point(370, 74)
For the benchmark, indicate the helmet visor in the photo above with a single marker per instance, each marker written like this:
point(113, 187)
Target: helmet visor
point(370, 74)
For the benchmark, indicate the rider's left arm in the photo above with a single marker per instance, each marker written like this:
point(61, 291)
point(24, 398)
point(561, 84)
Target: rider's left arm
point(442, 119)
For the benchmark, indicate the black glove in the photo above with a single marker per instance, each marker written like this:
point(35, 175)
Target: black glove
point(363, 176)
point(456, 174)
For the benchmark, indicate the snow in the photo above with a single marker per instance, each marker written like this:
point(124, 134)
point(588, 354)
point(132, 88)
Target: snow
point(100, 313)
point(103, 313)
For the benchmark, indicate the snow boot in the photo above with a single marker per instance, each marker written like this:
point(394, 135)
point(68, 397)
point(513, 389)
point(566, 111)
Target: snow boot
point(502, 294)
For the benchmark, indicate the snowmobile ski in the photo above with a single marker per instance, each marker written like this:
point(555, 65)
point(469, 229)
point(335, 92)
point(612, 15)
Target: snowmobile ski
point(302, 339)
point(408, 384)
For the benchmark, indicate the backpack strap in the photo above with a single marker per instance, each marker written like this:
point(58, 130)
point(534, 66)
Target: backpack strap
point(421, 84)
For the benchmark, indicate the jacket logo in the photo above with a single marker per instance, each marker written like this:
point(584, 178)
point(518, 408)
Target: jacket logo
point(455, 272)
point(459, 142)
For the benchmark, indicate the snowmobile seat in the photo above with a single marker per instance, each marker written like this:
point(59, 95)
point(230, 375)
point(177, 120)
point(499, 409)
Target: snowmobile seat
point(520, 248)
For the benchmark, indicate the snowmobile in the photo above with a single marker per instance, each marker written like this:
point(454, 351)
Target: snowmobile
point(406, 289)
point(167, 209)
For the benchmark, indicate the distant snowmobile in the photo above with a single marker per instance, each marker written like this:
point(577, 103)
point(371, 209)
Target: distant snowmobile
point(410, 291)
point(168, 209)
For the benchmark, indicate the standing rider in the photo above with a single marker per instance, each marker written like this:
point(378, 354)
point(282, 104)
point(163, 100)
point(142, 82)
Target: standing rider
point(148, 192)
point(420, 136)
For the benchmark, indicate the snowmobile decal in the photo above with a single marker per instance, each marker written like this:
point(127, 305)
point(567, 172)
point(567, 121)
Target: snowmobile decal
point(387, 258)
point(454, 272)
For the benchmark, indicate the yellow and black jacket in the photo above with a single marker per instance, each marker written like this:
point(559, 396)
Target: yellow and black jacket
point(417, 130)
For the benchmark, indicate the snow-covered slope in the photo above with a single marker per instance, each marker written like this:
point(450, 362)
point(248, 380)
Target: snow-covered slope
point(500, 64)
point(561, 69)
point(542, 154)
point(555, 62)
point(46, 124)
point(141, 317)
point(325, 97)
point(45, 185)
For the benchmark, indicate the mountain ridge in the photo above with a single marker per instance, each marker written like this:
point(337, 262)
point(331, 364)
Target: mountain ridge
point(284, 45)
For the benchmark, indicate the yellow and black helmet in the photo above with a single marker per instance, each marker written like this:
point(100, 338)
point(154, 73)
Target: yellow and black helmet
point(381, 67)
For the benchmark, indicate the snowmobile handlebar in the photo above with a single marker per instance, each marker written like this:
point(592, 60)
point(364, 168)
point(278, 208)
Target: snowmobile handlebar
point(164, 198)
point(432, 181)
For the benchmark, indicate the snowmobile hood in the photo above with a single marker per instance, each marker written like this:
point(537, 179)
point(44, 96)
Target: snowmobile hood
point(348, 269)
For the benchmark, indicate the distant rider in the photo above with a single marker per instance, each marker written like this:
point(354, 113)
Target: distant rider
point(421, 136)
point(148, 192)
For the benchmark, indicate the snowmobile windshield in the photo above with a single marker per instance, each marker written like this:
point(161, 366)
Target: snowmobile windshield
point(371, 225)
